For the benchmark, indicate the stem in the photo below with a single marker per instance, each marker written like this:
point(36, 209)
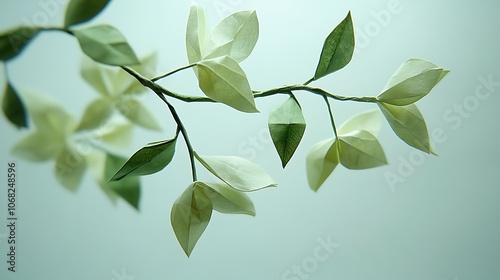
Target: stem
point(160, 93)
point(309, 81)
point(332, 119)
point(173, 72)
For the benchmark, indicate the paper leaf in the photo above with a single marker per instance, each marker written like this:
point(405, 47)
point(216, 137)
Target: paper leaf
point(37, 146)
point(69, 167)
point(235, 36)
point(337, 49)
point(320, 162)
point(97, 76)
point(105, 44)
point(96, 114)
point(414, 79)
point(286, 126)
point(148, 160)
point(128, 188)
point(361, 150)
point(13, 107)
point(408, 124)
point(79, 11)
point(138, 114)
point(190, 216)
point(15, 40)
point(116, 132)
point(96, 161)
point(223, 80)
point(370, 121)
point(196, 33)
point(227, 200)
point(239, 173)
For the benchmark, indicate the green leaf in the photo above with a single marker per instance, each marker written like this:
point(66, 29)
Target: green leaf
point(190, 216)
point(15, 40)
point(96, 161)
point(148, 160)
point(105, 44)
point(138, 114)
point(361, 150)
point(239, 173)
point(337, 49)
point(235, 36)
point(128, 188)
point(286, 126)
point(96, 114)
point(408, 124)
point(370, 121)
point(196, 33)
point(69, 168)
point(13, 107)
point(227, 200)
point(321, 161)
point(79, 11)
point(414, 79)
point(223, 80)
point(38, 146)
point(96, 75)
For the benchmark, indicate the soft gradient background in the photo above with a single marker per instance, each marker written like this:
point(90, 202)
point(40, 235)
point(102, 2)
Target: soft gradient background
point(441, 223)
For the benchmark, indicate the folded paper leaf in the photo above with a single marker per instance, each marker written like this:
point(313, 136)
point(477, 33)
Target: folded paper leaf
point(196, 33)
point(69, 167)
point(286, 126)
point(321, 161)
point(13, 107)
point(14, 41)
point(96, 113)
point(408, 124)
point(223, 80)
point(370, 121)
point(239, 173)
point(105, 44)
point(414, 79)
point(235, 36)
point(337, 50)
point(148, 160)
point(190, 216)
point(361, 150)
point(128, 188)
point(79, 11)
point(227, 200)
point(137, 113)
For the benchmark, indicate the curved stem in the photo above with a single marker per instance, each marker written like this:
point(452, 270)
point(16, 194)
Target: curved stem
point(172, 72)
point(332, 119)
point(160, 93)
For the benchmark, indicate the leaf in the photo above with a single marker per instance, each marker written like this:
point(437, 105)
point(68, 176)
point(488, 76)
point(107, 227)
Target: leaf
point(361, 150)
point(321, 161)
point(38, 146)
point(370, 121)
point(15, 40)
point(138, 114)
point(148, 160)
point(223, 80)
point(337, 49)
point(414, 79)
point(128, 188)
point(286, 126)
point(96, 161)
point(13, 107)
point(227, 200)
point(105, 44)
point(69, 168)
point(116, 132)
point(196, 33)
point(96, 114)
point(190, 216)
point(79, 11)
point(239, 173)
point(235, 36)
point(97, 76)
point(408, 124)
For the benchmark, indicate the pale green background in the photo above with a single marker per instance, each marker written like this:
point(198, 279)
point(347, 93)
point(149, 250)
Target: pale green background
point(442, 222)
